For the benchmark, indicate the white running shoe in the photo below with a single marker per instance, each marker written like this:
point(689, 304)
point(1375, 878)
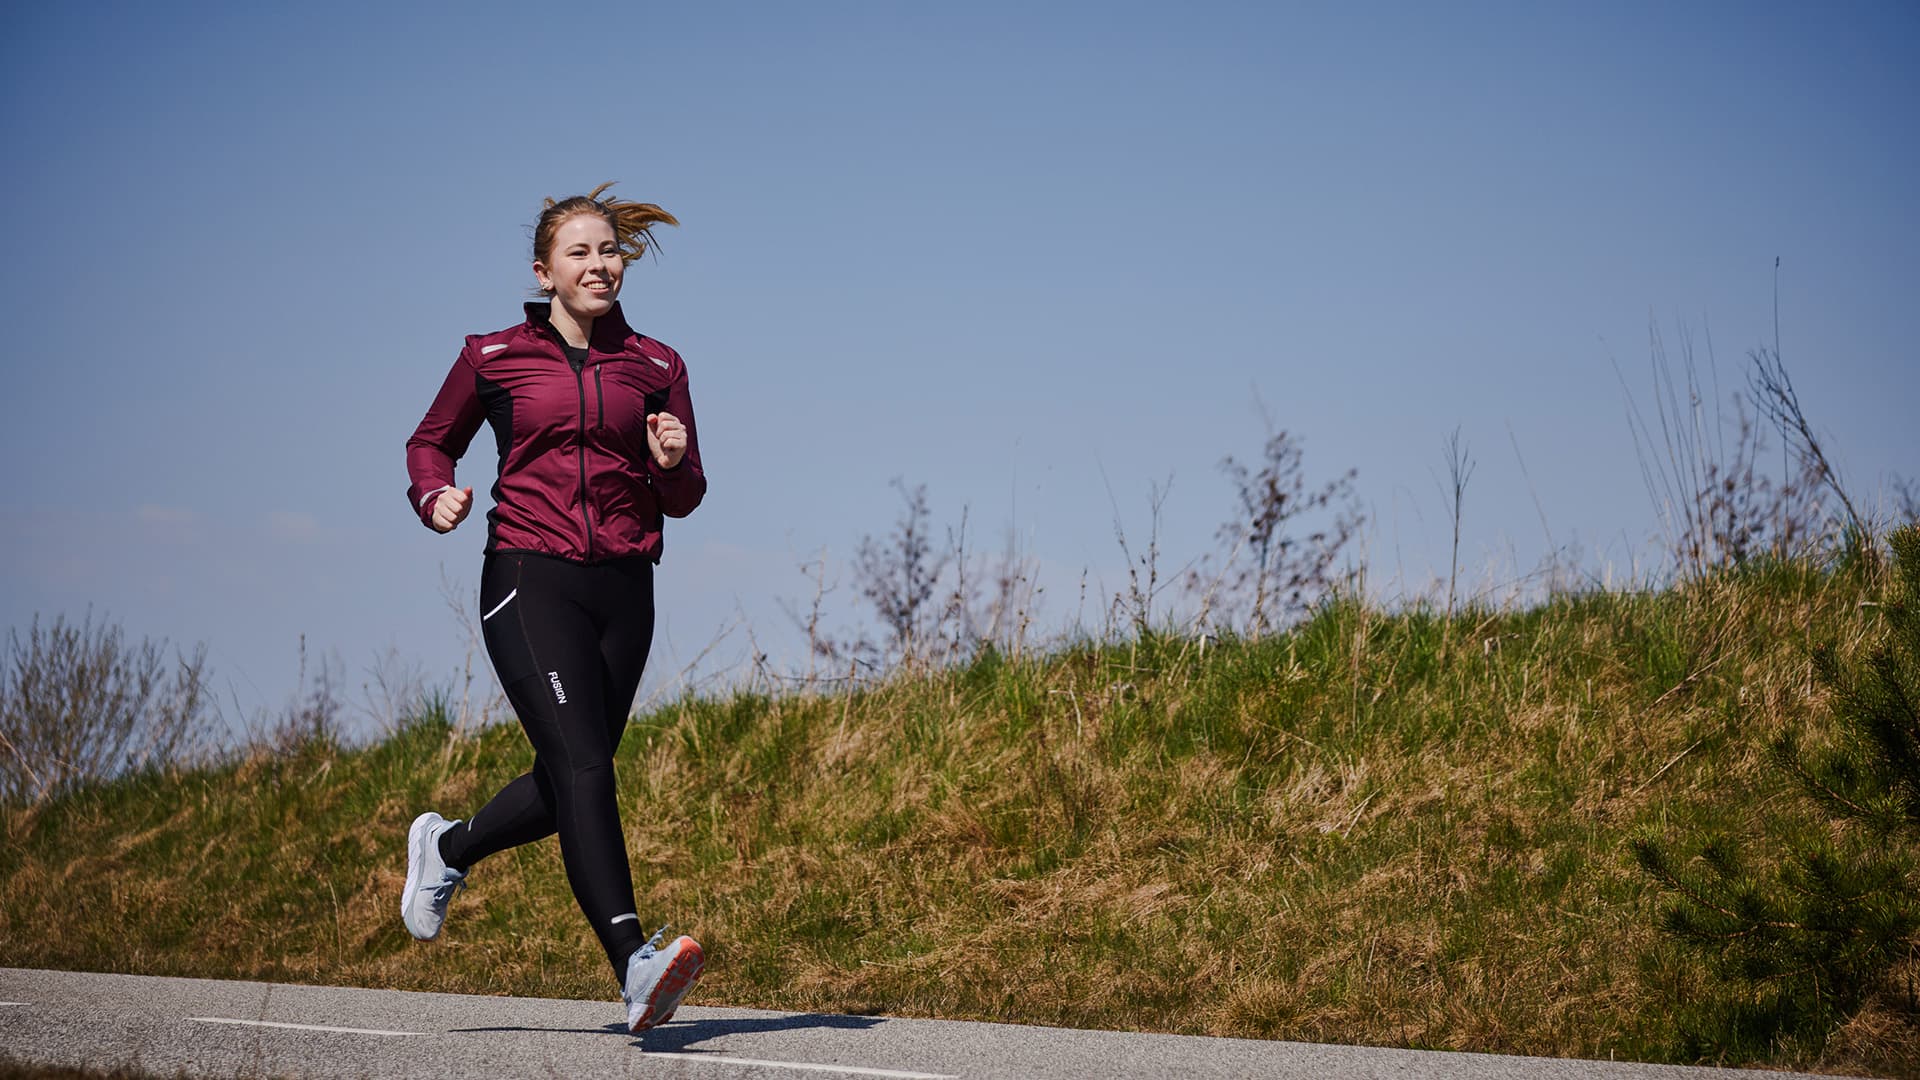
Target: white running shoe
point(430, 882)
point(657, 979)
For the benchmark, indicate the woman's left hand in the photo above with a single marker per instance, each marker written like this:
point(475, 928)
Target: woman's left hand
point(666, 438)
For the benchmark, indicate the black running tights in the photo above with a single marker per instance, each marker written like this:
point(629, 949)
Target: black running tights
point(569, 642)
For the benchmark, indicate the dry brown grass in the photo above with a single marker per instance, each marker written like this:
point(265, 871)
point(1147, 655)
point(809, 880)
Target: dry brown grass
point(1332, 835)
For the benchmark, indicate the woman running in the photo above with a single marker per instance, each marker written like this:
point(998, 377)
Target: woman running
point(596, 441)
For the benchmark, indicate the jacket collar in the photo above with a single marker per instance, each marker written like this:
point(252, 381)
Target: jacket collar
point(610, 331)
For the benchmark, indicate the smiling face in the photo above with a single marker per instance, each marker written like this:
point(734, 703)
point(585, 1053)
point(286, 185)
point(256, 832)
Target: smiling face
point(582, 267)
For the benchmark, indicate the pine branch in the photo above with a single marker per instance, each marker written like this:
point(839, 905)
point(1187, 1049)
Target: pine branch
point(1821, 789)
point(1654, 861)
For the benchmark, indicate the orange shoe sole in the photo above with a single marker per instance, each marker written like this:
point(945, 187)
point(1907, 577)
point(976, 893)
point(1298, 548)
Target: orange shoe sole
point(673, 986)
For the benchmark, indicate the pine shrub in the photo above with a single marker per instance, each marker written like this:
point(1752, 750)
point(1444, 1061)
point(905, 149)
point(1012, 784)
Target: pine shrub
point(1798, 950)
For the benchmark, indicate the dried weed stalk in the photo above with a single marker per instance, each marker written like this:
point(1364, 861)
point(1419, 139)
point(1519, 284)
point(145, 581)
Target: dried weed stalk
point(1271, 572)
point(1135, 605)
point(898, 575)
point(80, 703)
point(1460, 465)
point(1717, 504)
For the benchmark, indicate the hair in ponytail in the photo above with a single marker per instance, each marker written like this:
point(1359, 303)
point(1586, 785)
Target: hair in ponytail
point(632, 222)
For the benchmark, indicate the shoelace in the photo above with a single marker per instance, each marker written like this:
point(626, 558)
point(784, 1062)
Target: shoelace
point(451, 881)
point(653, 943)
point(645, 952)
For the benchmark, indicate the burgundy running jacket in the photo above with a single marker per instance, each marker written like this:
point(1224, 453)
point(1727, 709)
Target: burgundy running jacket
point(576, 477)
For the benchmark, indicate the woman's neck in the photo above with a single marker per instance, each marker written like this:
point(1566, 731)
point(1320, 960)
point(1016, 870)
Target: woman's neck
point(574, 331)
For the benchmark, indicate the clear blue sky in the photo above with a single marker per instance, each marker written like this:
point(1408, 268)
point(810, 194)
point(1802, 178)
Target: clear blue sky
point(1003, 250)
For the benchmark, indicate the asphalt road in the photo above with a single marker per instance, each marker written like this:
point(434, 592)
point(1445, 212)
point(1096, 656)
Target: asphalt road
point(206, 1028)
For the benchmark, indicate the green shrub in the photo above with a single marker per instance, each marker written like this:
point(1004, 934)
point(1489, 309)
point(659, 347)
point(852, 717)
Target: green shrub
point(1798, 951)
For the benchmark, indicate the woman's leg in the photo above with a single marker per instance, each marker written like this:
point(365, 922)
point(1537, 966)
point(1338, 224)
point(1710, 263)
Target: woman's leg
point(521, 812)
point(626, 637)
point(545, 641)
point(655, 981)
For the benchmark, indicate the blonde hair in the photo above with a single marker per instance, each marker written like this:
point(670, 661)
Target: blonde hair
point(632, 222)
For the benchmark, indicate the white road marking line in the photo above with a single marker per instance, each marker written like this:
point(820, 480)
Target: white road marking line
point(804, 1066)
point(16, 1002)
point(852, 1070)
point(298, 1027)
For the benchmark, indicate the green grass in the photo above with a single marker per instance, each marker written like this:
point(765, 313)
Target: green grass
point(1338, 834)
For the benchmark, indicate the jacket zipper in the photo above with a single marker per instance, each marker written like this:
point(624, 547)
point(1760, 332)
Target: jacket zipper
point(599, 400)
point(580, 384)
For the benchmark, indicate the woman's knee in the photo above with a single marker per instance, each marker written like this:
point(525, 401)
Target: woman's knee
point(588, 781)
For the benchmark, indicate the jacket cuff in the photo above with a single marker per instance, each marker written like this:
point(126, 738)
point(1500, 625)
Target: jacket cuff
point(424, 508)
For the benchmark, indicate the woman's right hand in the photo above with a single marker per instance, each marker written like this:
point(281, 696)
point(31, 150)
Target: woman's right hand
point(450, 509)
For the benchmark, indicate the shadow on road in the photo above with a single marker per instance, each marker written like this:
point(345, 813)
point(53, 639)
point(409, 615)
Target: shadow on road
point(680, 1035)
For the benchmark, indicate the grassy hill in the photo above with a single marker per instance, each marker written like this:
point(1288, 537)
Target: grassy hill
point(1335, 834)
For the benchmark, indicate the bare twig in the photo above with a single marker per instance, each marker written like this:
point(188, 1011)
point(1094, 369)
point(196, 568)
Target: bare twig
point(1671, 762)
point(1272, 573)
point(1460, 465)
